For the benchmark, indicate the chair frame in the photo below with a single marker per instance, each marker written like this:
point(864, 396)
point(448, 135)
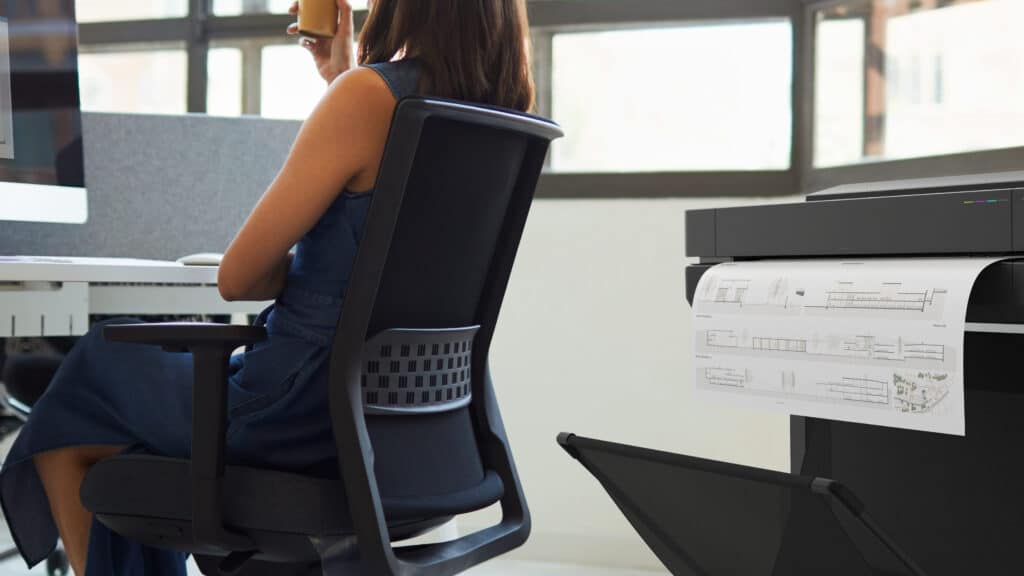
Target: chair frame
point(211, 346)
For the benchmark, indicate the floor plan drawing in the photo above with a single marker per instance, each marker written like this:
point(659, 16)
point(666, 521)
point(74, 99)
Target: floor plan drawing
point(878, 342)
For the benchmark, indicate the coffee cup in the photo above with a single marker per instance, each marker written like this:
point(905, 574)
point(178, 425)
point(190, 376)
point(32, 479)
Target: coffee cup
point(318, 18)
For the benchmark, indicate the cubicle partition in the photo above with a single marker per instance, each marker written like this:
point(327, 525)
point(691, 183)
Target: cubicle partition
point(162, 187)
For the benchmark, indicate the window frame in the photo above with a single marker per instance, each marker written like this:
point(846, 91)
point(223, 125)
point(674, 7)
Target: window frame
point(813, 178)
point(549, 17)
point(200, 29)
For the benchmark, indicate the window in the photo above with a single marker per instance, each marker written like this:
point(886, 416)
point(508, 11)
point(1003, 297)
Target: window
point(839, 70)
point(697, 98)
point(150, 81)
point(224, 92)
point(112, 10)
point(238, 7)
point(898, 80)
point(765, 97)
point(291, 85)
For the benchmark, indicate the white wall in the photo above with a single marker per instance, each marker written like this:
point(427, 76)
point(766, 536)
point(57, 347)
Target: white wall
point(594, 339)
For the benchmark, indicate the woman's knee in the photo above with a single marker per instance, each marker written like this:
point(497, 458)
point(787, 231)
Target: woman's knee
point(90, 455)
point(93, 342)
point(96, 330)
point(76, 456)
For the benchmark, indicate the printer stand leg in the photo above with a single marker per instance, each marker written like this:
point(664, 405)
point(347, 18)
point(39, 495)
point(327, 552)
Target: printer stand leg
point(810, 446)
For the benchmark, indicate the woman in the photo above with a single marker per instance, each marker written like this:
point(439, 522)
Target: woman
point(110, 397)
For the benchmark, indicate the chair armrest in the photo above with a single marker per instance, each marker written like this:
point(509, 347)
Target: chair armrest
point(183, 336)
point(211, 346)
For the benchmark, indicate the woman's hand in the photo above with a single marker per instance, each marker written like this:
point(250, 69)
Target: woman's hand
point(333, 56)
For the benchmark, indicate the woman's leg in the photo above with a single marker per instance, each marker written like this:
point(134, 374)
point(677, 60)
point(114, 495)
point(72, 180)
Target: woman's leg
point(62, 472)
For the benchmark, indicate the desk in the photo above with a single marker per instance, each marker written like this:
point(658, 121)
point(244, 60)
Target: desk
point(48, 297)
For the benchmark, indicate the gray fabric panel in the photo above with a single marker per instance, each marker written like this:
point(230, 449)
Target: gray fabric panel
point(162, 186)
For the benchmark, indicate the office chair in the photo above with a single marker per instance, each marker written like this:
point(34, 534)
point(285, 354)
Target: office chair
point(410, 350)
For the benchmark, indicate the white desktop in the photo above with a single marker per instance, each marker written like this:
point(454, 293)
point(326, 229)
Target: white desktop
point(42, 180)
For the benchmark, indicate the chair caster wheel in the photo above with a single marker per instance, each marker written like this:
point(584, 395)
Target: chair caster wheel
point(9, 425)
point(57, 564)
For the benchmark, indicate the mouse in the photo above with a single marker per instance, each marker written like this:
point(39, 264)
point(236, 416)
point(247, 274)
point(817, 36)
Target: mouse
point(201, 259)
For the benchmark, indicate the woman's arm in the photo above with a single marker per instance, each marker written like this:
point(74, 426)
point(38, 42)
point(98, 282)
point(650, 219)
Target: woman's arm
point(267, 288)
point(339, 146)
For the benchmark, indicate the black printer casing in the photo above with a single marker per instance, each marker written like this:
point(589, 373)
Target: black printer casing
point(955, 504)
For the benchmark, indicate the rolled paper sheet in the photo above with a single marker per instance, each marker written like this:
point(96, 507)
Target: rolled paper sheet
point(871, 341)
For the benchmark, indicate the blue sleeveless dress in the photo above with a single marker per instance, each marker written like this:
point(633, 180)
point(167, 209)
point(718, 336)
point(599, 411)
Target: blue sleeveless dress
point(139, 396)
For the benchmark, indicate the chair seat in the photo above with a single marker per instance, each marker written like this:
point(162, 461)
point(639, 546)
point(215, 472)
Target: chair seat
point(148, 498)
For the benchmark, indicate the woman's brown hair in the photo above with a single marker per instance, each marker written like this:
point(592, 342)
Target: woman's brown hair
point(472, 50)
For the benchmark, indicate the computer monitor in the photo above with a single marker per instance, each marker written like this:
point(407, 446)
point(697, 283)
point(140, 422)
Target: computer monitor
point(42, 175)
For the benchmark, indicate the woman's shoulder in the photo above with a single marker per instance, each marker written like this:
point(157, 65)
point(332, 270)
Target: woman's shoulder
point(361, 81)
point(360, 92)
point(353, 120)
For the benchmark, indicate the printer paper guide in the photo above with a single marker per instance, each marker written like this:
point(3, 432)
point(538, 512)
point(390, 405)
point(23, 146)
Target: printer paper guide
point(871, 341)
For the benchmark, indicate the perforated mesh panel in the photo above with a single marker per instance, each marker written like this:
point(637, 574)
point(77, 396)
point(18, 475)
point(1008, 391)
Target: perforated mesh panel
point(418, 371)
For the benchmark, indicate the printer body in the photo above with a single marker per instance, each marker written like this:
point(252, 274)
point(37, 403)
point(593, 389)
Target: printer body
point(955, 504)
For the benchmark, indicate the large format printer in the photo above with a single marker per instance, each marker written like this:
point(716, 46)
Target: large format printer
point(955, 504)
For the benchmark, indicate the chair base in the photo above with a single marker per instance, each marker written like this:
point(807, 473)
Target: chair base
point(276, 548)
point(170, 534)
point(210, 566)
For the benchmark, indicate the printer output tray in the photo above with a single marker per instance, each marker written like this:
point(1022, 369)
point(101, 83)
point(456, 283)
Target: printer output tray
point(709, 518)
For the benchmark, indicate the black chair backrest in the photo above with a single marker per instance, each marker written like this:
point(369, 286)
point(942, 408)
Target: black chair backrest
point(456, 183)
point(453, 217)
point(454, 191)
point(461, 216)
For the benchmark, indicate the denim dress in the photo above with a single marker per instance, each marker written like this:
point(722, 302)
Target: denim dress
point(116, 394)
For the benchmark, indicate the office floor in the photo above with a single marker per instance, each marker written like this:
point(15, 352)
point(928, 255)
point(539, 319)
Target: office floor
point(15, 567)
point(499, 567)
